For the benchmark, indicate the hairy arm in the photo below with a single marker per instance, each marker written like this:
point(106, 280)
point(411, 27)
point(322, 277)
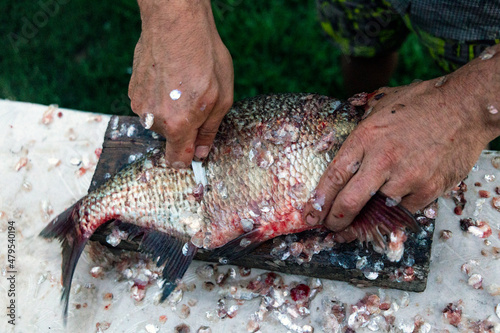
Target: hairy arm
point(183, 75)
point(417, 142)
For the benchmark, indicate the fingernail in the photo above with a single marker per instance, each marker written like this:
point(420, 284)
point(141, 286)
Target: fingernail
point(201, 152)
point(312, 220)
point(178, 165)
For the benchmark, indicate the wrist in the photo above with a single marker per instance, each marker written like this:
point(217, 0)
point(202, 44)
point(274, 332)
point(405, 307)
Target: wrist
point(476, 89)
point(168, 7)
point(165, 15)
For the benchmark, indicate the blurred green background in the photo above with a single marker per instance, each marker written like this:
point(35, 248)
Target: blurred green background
point(81, 56)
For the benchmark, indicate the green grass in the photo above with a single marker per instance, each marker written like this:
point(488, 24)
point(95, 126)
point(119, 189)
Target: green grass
point(82, 57)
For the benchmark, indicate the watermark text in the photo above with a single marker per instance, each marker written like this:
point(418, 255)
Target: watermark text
point(11, 273)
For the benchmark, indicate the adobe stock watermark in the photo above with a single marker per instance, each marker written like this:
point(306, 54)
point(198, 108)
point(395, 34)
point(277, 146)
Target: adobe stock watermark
point(11, 273)
point(31, 25)
point(222, 7)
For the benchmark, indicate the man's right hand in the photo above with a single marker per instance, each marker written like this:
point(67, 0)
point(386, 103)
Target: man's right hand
point(183, 75)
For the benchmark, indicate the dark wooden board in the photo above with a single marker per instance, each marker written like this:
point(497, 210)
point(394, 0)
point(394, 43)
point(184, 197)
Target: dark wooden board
point(125, 137)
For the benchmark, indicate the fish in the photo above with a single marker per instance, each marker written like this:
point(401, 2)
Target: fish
point(265, 162)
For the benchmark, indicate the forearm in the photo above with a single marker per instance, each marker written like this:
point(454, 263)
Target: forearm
point(169, 11)
point(182, 75)
point(180, 23)
point(477, 90)
point(417, 142)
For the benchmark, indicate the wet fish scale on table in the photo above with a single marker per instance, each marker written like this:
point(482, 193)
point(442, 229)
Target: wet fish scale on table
point(266, 160)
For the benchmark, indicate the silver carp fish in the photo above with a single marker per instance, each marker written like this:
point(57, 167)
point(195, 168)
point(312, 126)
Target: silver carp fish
point(265, 163)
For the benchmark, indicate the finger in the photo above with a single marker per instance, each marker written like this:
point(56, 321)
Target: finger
point(420, 197)
point(338, 173)
point(179, 154)
point(397, 193)
point(354, 196)
point(414, 202)
point(204, 140)
point(180, 127)
point(208, 130)
point(345, 236)
point(179, 149)
point(141, 83)
point(412, 192)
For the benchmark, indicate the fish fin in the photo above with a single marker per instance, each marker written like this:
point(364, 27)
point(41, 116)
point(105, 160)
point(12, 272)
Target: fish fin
point(376, 215)
point(65, 228)
point(132, 230)
point(173, 252)
point(234, 249)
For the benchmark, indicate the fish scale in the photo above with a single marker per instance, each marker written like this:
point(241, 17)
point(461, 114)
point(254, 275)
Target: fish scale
point(247, 180)
point(258, 139)
point(131, 198)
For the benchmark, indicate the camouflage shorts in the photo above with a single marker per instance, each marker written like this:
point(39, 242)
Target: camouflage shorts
point(368, 28)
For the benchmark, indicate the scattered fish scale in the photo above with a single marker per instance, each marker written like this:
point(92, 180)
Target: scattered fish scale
point(257, 138)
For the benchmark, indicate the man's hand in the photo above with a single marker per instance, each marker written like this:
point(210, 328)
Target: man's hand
point(183, 75)
point(416, 142)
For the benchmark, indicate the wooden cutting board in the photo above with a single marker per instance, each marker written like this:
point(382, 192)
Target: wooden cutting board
point(344, 262)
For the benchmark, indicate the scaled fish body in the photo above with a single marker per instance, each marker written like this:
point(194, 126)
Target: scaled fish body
point(266, 160)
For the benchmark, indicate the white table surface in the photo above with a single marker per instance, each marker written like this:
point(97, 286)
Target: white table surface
point(43, 188)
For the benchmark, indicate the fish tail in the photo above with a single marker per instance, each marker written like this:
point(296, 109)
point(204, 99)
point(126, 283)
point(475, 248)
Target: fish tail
point(65, 228)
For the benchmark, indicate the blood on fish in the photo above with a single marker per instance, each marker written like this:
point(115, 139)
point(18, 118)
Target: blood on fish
point(370, 95)
point(163, 207)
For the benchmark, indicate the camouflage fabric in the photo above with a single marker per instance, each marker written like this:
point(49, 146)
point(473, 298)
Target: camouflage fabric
point(450, 54)
point(368, 28)
point(362, 28)
point(454, 19)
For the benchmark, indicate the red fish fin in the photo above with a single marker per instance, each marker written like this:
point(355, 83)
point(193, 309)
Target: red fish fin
point(65, 228)
point(239, 246)
point(378, 218)
point(172, 251)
